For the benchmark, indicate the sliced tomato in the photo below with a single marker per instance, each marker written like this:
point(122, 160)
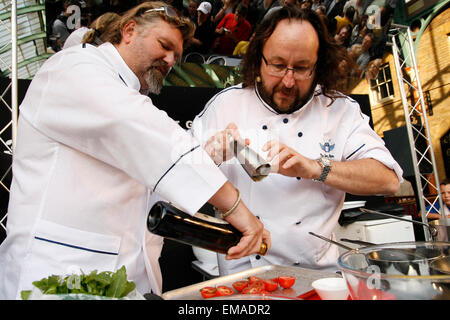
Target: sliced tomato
point(240, 285)
point(286, 281)
point(254, 279)
point(253, 289)
point(224, 291)
point(270, 285)
point(275, 279)
point(208, 292)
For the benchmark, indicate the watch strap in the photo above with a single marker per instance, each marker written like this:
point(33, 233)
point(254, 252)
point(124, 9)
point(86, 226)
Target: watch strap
point(326, 168)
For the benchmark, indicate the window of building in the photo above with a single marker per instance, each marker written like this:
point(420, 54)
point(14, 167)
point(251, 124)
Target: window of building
point(382, 87)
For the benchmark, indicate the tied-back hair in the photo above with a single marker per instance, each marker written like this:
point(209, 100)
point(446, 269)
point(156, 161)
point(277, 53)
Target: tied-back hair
point(327, 73)
point(143, 18)
point(99, 28)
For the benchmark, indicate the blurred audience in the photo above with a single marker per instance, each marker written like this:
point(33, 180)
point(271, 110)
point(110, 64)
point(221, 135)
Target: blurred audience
point(343, 36)
point(204, 33)
point(232, 29)
point(94, 33)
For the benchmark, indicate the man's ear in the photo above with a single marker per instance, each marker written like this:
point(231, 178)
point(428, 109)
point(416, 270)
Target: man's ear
point(129, 31)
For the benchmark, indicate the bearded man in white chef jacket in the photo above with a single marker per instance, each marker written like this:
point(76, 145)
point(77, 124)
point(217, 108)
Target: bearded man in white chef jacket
point(90, 151)
point(318, 141)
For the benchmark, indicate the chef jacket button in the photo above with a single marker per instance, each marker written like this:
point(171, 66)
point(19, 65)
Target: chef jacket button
point(258, 257)
point(299, 178)
point(285, 120)
point(296, 263)
point(300, 134)
point(264, 127)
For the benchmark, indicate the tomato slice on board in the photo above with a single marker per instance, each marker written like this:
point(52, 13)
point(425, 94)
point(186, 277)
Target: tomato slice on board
point(270, 285)
point(253, 289)
point(240, 285)
point(224, 291)
point(275, 280)
point(286, 281)
point(254, 279)
point(208, 292)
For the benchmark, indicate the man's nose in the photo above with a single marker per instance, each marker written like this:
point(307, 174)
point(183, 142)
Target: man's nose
point(288, 78)
point(170, 59)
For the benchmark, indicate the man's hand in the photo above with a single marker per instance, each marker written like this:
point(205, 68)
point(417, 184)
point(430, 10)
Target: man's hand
point(218, 146)
point(253, 232)
point(288, 162)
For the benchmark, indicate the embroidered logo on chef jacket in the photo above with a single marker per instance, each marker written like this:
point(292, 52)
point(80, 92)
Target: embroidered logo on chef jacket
point(327, 147)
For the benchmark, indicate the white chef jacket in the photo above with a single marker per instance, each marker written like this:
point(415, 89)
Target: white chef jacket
point(90, 151)
point(291, 207)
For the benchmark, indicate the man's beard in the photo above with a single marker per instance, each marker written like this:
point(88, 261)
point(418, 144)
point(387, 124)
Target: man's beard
point(154, 80)
point(268, 97)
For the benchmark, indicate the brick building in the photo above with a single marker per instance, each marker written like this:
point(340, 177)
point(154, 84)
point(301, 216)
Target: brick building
point(431, 35)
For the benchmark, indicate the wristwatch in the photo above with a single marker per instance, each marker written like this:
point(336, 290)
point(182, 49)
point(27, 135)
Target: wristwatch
point(326, 168)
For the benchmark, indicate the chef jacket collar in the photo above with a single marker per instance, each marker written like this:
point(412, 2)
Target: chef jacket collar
point(317, 91)
point(125, 73)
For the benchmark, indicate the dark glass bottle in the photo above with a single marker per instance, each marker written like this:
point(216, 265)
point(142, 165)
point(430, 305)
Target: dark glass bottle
point(199, 230)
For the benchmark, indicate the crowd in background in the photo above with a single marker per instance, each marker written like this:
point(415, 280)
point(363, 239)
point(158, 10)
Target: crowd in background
point(225, 26)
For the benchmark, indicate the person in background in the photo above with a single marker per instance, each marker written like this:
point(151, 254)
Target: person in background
point(359, 9)
point(204, 33)
point(94, 33)
point(373, 68)
point(60, 32)
point(318, 142)
point(227, 7)
point(280, 5)
point(346, 20)
point(433, 212)
point(91, 150)
point(241, 47)
point(191, 11)
point(306, 4)
point(365, 56)
point(342, 38)
point(232, 29)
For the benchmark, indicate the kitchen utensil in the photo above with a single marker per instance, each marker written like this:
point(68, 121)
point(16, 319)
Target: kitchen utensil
point(433, 230)
point(255, 165)
point(403, 261)
point(429, 252)
point(366, 281)
point(443, 229)
point(331, 288)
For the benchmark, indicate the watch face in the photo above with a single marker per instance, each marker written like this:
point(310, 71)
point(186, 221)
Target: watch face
point(325, 161)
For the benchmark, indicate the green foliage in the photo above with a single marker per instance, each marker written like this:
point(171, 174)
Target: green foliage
point(106, 283)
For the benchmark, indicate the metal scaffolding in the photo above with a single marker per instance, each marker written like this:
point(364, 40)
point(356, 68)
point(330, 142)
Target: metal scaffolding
point(416, 123)
point(22, 52)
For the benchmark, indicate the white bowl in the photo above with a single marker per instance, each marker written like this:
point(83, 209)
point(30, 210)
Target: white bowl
point(205, 256)
point(331, 288)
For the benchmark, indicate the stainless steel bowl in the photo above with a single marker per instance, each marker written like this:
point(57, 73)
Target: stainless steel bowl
point(422, 281)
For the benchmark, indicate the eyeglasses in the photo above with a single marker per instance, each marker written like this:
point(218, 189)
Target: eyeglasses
point(280, 70)
point(170, 12)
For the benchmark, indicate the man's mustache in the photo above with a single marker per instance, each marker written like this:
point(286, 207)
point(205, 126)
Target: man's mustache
point(161, 66)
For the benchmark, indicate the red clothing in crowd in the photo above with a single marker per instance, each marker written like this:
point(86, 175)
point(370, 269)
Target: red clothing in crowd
point(242, 31)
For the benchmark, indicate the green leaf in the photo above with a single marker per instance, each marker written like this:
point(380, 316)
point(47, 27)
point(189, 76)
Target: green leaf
point(25, 294)
point(118, 282)
point(129, 286)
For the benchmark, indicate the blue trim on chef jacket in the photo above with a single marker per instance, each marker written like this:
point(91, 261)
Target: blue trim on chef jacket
point(355, 151)
point(77, 247)
point(122, 80)
point(239, 86)
point(173, 165)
